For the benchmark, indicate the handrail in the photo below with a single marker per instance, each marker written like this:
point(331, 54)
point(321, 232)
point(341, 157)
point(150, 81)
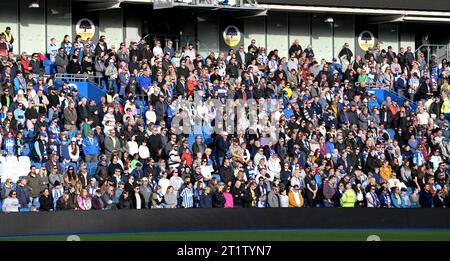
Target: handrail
point(429, 46)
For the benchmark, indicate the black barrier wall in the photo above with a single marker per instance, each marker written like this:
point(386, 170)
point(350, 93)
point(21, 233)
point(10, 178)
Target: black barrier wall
point(212, 219)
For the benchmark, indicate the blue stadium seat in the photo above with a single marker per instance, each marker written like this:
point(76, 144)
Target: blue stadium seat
point(37, 164)
point(391, 133)
point(217, 176)
point(26, 150)
point(24, 209)
point(72, 134)
point(91, 168)
point(36, 204)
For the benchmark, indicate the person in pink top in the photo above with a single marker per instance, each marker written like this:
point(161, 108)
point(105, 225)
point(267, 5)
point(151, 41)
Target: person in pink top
point(228, 198)
point(84, 201)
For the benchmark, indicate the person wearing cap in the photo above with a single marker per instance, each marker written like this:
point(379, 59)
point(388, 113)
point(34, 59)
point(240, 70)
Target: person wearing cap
point(90, 148)
point(92, 187)
point(146, 190)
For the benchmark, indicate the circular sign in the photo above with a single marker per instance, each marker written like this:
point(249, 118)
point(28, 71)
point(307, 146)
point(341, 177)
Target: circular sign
point(232, 36)
point(366, 40)
point(85, 28)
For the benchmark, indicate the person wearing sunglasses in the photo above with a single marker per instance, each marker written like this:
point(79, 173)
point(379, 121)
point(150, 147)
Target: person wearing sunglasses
point(11, 203)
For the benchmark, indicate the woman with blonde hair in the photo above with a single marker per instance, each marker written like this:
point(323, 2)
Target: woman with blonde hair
point(20, 98)
point(84, 200)
point(6, 188)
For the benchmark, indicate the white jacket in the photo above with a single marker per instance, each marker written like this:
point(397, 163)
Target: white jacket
point(10, 205)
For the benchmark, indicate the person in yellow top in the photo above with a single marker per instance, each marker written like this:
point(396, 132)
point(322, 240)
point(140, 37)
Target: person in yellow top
point(9, 38)
point(445, 109)
point(287, 91)
point(295, 197)
point(386, 171)
point(348, 199)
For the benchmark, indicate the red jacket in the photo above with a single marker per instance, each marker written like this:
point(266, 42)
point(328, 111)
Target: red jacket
point(26, 65)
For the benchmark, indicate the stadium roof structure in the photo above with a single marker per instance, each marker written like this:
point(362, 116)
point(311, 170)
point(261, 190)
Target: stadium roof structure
point(418, 5)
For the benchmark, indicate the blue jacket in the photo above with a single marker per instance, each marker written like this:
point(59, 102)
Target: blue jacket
point(9, 145)
point(373, 104)
point(90, 148)
point(23, 195)
point(64, 151)
point(144, 82)
point(426, 199)
point(138, 175)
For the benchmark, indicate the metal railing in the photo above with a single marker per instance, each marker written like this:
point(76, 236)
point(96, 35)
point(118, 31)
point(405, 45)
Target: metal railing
point(178, 40)
point(62, 77)
point(440, 50)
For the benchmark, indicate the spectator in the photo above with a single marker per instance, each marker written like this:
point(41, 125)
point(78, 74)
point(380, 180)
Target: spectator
point(84, 200)
point(23, 193)
point(46, 201)
point(295, 198)
point(137, 198)
point(11, 203)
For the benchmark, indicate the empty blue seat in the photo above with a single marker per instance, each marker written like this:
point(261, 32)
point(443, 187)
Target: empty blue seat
point(91, 168)
point(217, 176)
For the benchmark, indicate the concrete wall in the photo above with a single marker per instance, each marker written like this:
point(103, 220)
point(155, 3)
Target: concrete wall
point(255, 28)
point(407, 35)
point(111, 25)
point(388, 36)
point(321, 37)
point(277, 32)
point(132, 29)
point(299, 28)
point(59, 19)
point(208, 34)
point(344, 32)
point(32, 28)
point(9, 17)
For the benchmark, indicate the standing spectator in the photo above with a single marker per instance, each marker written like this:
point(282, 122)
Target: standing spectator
point(23, 193)
point(348, 199)
point(295, 197)
point(34, 184)
point(3, 47)
point(61, 61)
point(137, 198)
point(187, 196)
point(91, 148)
point(157, 197)
point(273, 198)
point(206, 198)
point(46, 201)
point(284, 198)
point(170, 198)
point(70, 117)
point(9, 38)
point(426, 198)
point(111, 144)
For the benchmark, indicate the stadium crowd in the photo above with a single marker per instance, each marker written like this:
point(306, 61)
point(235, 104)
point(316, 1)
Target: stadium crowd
point(337, 145)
